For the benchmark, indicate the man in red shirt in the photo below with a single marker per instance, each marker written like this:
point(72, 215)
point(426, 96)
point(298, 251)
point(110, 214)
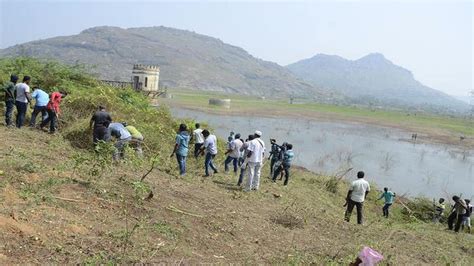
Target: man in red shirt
point(53, 110)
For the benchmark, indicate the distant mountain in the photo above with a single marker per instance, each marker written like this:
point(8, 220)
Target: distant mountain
point(373, 80)
point(186, 60)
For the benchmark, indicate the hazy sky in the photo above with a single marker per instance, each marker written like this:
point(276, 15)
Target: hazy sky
point(433, 39)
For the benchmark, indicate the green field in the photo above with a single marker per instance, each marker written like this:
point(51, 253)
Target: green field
point(244, 104)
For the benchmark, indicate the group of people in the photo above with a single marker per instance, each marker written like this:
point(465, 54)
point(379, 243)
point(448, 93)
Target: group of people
point(19, 95)
point(244, 155)
point(247, 155)
point(459, 216)
point(104, 130)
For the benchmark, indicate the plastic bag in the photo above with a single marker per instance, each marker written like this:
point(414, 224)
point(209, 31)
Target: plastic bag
point(369, 257)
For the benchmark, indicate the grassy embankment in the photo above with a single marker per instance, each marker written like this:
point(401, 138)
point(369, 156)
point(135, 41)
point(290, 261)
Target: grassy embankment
point(64, 203)
point(433, 128)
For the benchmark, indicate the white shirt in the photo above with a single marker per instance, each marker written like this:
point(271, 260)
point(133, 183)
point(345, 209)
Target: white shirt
point(211, 144)
point(198, 137)
point(257, 147)
point(235, 146)
point(21, 90)
point(358, 188)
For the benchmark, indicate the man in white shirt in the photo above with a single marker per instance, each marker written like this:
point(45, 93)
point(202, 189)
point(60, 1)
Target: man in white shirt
point(355, 197)
point(198, 139)
point(243, 159)
point(256, 150)
point(210, 145)
point(233, 153)
point(22, 92)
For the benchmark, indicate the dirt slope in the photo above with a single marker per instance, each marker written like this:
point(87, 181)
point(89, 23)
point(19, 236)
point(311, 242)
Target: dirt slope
point(53, 210)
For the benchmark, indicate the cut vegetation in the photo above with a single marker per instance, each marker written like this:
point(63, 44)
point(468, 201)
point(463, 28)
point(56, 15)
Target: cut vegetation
point(63, 203)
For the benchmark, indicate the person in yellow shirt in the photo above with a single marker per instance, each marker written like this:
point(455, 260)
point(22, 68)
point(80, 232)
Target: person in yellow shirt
point(137, 138)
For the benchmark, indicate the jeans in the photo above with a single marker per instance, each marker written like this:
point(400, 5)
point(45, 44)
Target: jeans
point(21, 113)
point(197, 149)
point(350, 207)
point(454, 217)
point(286, 169)
point(385, 209)
point(36, 111)
point(272, 164)
point(9, 105)
point(208, 163)
point(234, 161)
point(120, 145)
point(52, 117)
point(254, 169)
point(181, 164)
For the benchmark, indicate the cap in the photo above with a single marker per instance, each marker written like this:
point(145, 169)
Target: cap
point(259, 133)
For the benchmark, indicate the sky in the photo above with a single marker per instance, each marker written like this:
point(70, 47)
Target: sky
point(433, 39)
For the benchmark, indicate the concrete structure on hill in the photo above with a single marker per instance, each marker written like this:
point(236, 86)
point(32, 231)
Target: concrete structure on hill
point(146, 78)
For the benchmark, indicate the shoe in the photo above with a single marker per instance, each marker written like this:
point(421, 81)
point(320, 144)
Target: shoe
point(246, 190)
point(216, 172)
point(206, 176)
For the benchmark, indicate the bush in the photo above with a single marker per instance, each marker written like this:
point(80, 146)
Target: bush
point(85, 94)
point(420, 208)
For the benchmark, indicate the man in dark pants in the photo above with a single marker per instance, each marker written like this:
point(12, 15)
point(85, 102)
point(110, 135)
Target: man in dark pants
point(41, 101)
point(53, 111)
point(285, 165)
point(210, 146)
point(389, 196)
point(356, 196)
point(198, 140)
point(457, 213)
point(100, 122)
point(9, 90)
point(233, 153)
point(22, 99)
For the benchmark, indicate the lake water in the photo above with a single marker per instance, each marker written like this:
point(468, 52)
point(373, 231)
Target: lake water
point(382, 153)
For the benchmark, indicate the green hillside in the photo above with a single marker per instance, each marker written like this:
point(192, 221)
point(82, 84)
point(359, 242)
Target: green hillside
point(63, 203)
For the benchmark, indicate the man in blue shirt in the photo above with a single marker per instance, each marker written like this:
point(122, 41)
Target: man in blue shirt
point(286, 164)
point(41, 101)
point(181, 148)
point(122, 135)
point(389, 197)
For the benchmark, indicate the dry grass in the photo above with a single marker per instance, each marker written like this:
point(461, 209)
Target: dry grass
point(49, 217)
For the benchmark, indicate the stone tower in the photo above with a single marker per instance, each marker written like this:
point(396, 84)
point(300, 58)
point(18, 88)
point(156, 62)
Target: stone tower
point(146, 78)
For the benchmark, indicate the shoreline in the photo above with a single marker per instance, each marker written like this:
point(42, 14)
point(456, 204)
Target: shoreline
point(425, 135)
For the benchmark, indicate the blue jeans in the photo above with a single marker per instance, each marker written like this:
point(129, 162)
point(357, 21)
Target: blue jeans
point(181, 164)
point(234, 162)
point(36, 111)
point(21, 113)
point(51, 119)
point(9, 105)
point(208, 163)
point(120, 145)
